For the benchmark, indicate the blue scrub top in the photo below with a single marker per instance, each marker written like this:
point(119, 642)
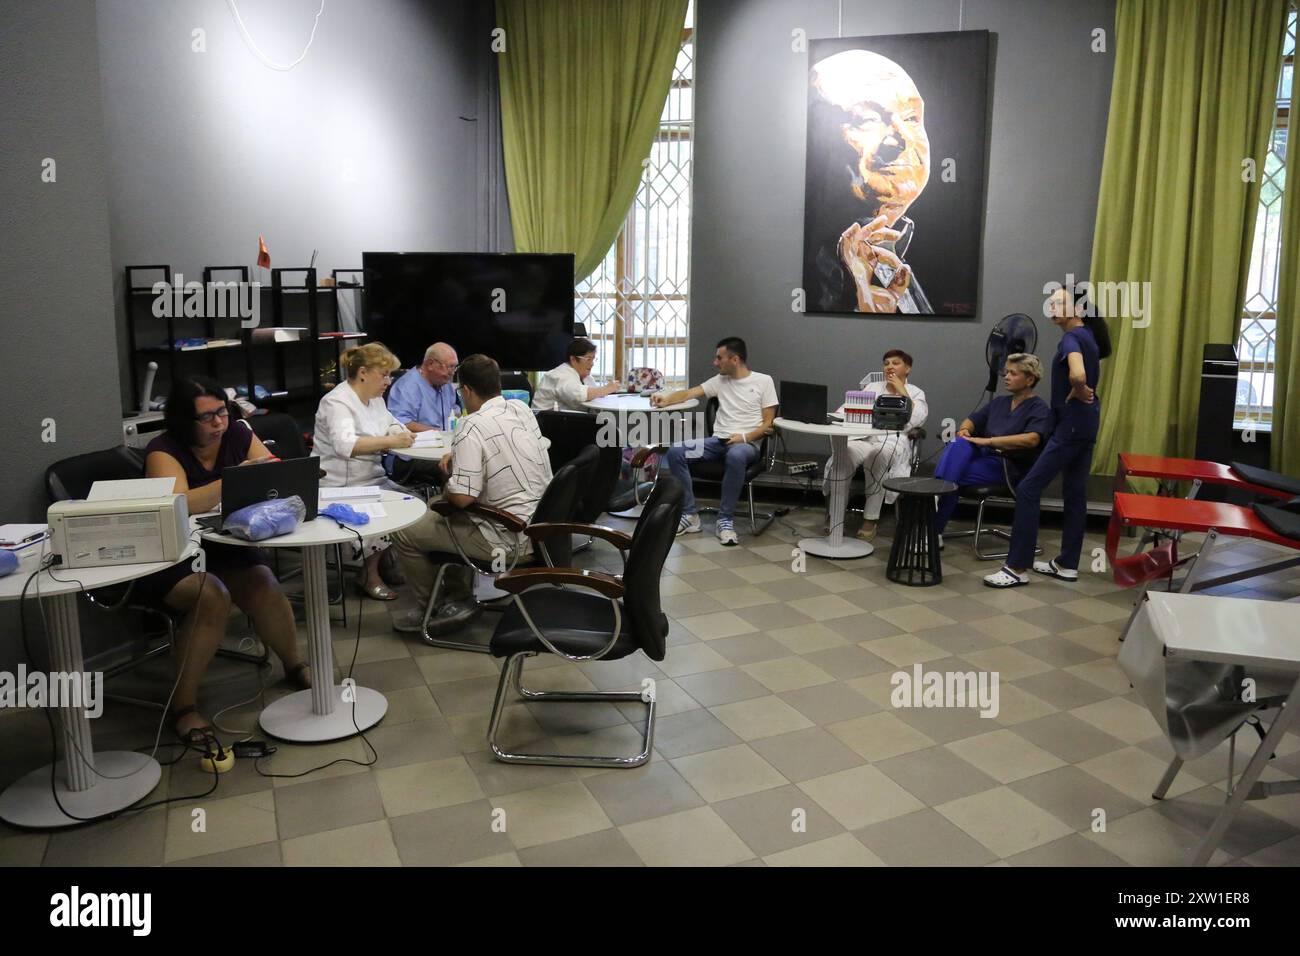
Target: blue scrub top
point(413, 399)
point(1076, 421)
point(998, 418)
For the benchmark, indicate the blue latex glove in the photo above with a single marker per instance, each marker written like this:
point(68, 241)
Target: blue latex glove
point(266, 519)
point(8, 562)
point(345, 513)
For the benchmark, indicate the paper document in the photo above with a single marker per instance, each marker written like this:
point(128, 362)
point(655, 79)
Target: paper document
point(359, 493)
point(131, 488)
point(428, 438)
point(372, 508)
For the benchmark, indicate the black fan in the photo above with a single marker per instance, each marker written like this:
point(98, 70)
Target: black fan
point(1014, 333)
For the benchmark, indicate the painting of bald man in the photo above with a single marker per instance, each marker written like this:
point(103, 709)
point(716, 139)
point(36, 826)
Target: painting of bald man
point(894, 182)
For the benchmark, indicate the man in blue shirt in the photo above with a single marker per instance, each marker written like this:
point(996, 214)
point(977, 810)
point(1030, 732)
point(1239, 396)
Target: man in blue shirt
point(424, 399)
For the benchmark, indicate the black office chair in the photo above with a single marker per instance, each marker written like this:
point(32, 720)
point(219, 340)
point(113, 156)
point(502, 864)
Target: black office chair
point(623, 616)
point(280, 434)
point(570, 433)
point(982, 494)
point(71, 478)
point(555, 506)
point(715, 469)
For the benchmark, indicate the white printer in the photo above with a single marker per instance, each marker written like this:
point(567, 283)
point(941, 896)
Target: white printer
point(96, 534)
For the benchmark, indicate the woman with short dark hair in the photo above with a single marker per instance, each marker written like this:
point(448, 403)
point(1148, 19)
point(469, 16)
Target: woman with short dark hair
point(568, 386)
point(203, 437)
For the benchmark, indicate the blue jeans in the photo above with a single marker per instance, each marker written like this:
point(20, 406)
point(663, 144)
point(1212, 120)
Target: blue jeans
point(1071, 460)
point(738, 458)
point(963, 463)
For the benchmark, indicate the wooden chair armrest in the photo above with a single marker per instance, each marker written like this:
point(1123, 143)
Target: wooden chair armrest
point(642, 454)
point(619, 539)
point(524, 578)
point(489, 512)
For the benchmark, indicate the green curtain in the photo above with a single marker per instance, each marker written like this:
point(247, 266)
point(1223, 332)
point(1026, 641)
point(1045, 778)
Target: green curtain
point(1192, 96)
point(1285, 438)
point(583, 84)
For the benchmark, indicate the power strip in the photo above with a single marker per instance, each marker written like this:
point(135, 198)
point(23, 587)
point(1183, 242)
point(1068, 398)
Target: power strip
point(801, 467)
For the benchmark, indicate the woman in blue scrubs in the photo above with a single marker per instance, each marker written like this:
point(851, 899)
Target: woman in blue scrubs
point(1075, 372)
point(999, 443)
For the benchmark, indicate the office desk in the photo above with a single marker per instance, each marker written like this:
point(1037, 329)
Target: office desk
point(93, 783)
point(321, 713)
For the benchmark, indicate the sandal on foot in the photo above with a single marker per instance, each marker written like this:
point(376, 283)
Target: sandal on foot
point(1004, 577)
point(203, 739)
point(379, 592)
point(1054, 570)
point(296, 676)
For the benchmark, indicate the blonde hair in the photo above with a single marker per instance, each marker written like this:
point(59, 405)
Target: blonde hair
point(1028, 364)
point(370, 355)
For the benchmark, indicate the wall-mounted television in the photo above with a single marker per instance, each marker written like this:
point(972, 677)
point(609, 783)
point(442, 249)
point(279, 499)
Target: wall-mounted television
point(515, 307)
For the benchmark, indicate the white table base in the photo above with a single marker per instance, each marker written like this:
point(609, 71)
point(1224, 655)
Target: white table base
point(29, 802)
point(835, 545)
point(311, 716)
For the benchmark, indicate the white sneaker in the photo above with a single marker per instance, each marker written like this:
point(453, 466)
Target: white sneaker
point(727, 535)
point(690, 524)
point(940, 542)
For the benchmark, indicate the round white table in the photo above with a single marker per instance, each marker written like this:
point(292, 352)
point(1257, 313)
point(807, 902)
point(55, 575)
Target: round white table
point(626, 406)
point(322, 713)
point(89, 784)
point(431, 452)
point(835, 545)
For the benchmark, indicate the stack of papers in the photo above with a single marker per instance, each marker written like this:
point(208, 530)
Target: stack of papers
point(427, 439)
point(352, 495)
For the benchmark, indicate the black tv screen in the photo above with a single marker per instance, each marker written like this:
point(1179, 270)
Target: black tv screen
point(515, 307)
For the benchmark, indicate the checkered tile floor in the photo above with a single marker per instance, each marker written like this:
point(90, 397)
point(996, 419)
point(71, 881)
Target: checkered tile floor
point(776, 742)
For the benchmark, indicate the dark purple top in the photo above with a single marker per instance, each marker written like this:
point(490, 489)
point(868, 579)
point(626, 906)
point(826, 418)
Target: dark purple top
point(235, 444)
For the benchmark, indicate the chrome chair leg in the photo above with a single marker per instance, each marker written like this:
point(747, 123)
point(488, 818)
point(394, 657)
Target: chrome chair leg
point(512, 675)
point(430, 606)
point(1168, 779)
point(980, 530)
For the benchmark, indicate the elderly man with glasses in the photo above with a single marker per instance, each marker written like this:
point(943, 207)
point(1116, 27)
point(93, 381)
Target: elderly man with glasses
point(424, 399)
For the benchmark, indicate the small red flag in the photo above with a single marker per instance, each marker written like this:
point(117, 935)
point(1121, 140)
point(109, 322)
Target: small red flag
point(263, 254)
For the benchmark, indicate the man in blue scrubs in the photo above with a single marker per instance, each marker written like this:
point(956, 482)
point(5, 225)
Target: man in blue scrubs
point(424, 399)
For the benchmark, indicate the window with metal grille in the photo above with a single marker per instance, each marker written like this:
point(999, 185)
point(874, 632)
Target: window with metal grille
point(1257, 337)
point(634, 305)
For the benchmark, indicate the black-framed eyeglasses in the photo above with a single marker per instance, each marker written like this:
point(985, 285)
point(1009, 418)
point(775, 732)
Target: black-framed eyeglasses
point(209, 417)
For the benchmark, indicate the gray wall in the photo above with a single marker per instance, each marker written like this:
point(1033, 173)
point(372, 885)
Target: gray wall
point(55, 287)
point(361, 146)
point(1049, 98)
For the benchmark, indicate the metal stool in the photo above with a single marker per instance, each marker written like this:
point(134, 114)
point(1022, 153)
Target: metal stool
point(914, 557)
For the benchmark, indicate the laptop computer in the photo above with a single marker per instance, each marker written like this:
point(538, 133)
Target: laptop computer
point(803, 402)
point(244, 485)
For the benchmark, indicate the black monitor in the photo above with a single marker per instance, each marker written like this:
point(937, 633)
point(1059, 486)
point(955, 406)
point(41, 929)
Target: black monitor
point(515, 307)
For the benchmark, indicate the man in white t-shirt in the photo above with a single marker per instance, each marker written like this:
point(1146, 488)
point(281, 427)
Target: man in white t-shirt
point(567, 387)
point(746, 409)
point(496, 458)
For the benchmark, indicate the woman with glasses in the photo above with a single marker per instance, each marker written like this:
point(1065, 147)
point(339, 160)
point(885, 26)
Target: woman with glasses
point(200, 440)
point(567, 386)
point(353, 430)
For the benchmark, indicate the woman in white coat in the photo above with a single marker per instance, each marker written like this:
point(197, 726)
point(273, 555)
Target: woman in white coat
point(353, 430)
point(884, 456)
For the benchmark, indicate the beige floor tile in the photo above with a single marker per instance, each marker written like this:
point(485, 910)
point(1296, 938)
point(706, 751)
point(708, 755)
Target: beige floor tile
point(457, 665)
point(518, 728)
point(227, 825)
point(710, 627)
point(501, 859)
point(841, 850)
point(1016, 705)
point(671, 584)
point(913, 617)
point(1007, 629)
point(1120, 718)
point(367, 844)
point(787, 673)
point(1098, 612)
point(692, 659)
point(1010, 663)
point(327, 805)
point(456, 834)
point(689, 562)
point(860, 796)
point(603, 848)
point(760, 717)
point(825, 607)
point(651, 790)
point(1008, 601)
point(1100, 638)
point(1146, 838)
point(729, 772)
point(879, 736)
point(292, 759)
point(1005, 755)
point(904, 650)
point(135, 839)
point(741, 597)
point(837, 581)
point(765, 573)
point(426, 786)
point(877, 687)
point(23, 849)
point(547, 814)
point(1004, 821)
point(923, 838)
point(807, 638)
point(1135, 773)
point(1105, 673)
point(690, 838)
point(411, 703)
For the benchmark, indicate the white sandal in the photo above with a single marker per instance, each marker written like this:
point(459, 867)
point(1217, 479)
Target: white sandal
point(1004, 577)
point(1054, 570)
